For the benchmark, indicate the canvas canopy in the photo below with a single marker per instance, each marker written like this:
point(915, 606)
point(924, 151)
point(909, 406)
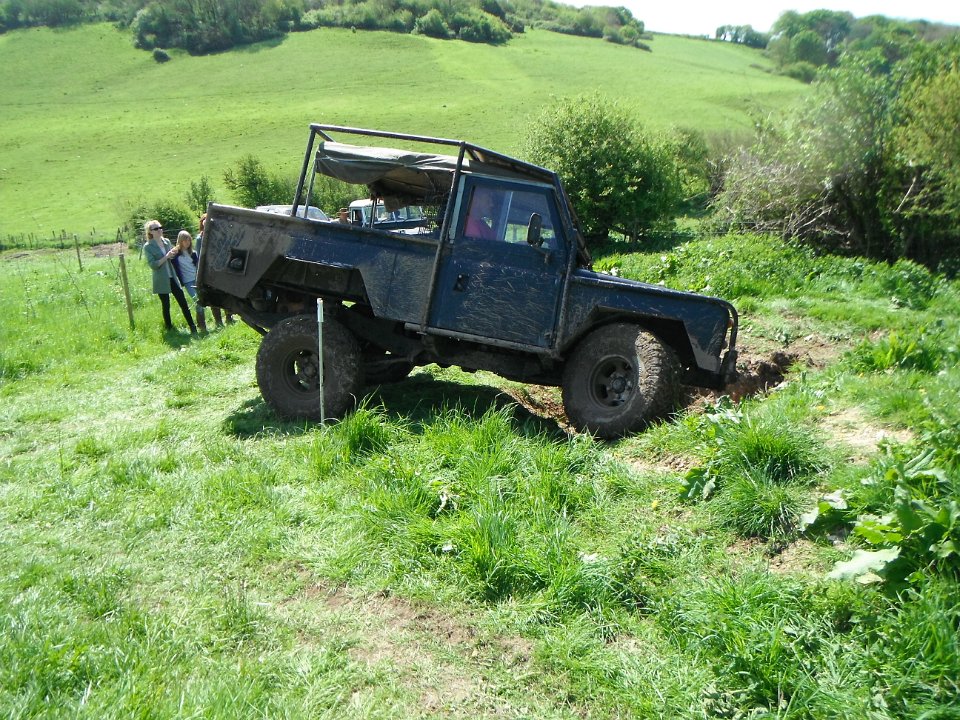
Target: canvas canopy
point(403, 177)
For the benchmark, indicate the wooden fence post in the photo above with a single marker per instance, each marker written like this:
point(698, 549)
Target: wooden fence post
point(76, 244)
point(126, 290)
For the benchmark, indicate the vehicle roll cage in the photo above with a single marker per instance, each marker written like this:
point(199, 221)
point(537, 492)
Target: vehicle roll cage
point(416, 176)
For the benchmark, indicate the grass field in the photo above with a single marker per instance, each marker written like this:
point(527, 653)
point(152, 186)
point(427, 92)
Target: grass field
point(171, 550)
point(89, 123)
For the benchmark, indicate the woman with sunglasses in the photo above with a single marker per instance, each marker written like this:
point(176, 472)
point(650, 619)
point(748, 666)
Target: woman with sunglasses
point(159, 254)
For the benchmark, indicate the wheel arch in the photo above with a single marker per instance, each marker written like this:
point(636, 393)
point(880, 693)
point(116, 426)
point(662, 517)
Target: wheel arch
point(670, 330)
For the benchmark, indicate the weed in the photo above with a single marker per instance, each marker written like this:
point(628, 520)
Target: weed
point(364, 432)
point(922, 349)
point(756, 503)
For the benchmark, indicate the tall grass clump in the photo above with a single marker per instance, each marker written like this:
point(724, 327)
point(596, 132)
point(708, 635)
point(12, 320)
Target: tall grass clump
point(924, 349)
point(776, 647)
point(915, 654)
point(493, 513)
point(757, 471)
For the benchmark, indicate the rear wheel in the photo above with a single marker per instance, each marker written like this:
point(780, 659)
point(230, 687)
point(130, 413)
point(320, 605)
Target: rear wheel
point(288, 369)
point(618, 379)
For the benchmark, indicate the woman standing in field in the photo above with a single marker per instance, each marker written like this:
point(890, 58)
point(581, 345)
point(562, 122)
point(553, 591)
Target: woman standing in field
point(185, 265)
point(159, 254)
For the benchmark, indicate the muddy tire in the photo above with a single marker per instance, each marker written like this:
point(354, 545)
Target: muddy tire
point(618, 379)
point(287, 369)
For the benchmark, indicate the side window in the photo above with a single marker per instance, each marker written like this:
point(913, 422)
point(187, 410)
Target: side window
point(523, 204)
point(502, 215)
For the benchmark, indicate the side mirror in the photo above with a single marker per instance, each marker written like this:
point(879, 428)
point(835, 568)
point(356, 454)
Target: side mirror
point(534, 230)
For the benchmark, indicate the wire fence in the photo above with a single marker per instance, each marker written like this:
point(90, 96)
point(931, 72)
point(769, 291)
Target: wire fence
point(63, 239)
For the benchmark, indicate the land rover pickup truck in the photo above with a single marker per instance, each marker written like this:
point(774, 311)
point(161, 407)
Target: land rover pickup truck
point(497, 277)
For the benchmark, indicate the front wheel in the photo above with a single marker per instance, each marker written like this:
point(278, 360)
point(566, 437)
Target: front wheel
point(618, 379)
point(288, 369)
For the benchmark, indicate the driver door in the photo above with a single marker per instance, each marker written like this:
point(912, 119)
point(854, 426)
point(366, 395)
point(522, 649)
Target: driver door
point(491, 282)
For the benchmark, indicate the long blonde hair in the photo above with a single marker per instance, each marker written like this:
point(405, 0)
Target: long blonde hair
point(184, 236)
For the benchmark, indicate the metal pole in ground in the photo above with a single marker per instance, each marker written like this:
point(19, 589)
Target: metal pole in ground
point(323, 415)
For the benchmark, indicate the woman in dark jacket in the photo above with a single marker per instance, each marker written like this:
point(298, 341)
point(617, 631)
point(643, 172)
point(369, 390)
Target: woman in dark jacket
point(185, 263)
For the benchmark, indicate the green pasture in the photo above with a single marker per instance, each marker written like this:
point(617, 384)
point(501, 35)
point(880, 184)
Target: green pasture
point(89, 124)
point(170, 549)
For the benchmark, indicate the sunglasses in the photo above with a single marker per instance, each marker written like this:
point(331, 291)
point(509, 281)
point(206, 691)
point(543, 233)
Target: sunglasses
point(156, 227)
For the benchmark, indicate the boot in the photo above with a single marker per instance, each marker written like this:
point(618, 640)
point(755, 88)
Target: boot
point(217, 317)
point(202, 321)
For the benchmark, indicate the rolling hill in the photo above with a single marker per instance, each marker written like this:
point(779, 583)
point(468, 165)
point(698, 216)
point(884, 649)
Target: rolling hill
point(89, 122)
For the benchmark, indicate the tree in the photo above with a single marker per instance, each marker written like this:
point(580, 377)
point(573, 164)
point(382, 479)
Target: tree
point(618, 177)
point(815, 37)
point(869, 166)
point(199, 194)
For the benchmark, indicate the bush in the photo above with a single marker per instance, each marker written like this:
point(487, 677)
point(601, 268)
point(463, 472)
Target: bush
point(330, 195)
point(199, 195)
point(161, 56)
point(477, 26)
point(172, 214)
point(253, 185)
point(617, 176)
point(432, 25)
point(802, 71)
point(921, 349)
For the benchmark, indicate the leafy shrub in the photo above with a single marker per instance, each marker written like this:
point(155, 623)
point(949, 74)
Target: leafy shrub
point(199, 195)
point(253, 185)
point(474, 25)
point(859, 168)
point(330, 194)
point(911, 522)
point(161, 56)
point(803, 71)
point(432, 25)
point(921, 349)
point(174, 215)
point(617, 176)
point(909, 284)
point(210, 25)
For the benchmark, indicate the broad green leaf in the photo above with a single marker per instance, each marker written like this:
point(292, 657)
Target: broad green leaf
point(835, 500)
point(877, 530)
point(809, 518)
point(863, 562)
point(944, 549)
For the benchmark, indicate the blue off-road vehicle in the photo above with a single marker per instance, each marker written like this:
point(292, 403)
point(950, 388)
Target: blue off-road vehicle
point(496, 277)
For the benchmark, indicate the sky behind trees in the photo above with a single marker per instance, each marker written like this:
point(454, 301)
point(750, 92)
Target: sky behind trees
point(703, 17)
